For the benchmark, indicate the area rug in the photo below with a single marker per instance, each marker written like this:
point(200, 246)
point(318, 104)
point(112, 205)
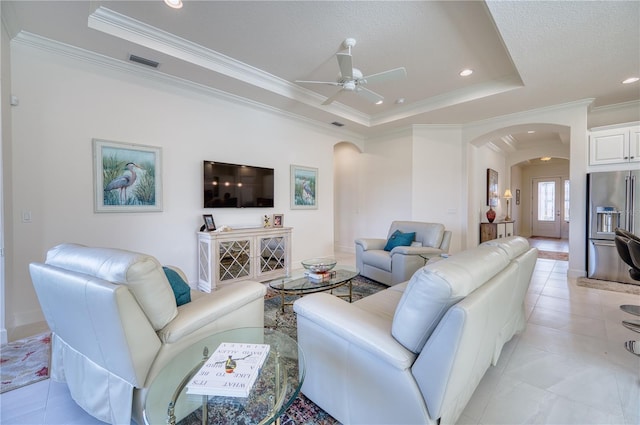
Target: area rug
point(627, 288)
point(302, 411)
point(285, 322)
point(25, 361)
point(552, 255)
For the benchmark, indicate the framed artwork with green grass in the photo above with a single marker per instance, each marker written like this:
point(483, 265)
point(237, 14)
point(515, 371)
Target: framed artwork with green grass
point(127, 177)
point(304, 188)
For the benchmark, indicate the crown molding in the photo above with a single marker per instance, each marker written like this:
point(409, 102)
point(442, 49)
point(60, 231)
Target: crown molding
point(525, 114)
point(134, 31)
point(102, 62)
point(616, 107)
point(455, 97)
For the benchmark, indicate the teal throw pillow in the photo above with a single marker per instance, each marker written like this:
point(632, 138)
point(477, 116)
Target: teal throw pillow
point(181, 289)
point(398, 238)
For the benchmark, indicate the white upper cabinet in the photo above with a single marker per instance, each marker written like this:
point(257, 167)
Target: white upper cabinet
point(615, 146)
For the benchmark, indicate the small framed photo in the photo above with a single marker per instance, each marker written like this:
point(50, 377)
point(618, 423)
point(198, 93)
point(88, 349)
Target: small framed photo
point(209, 224)
point(278, 220)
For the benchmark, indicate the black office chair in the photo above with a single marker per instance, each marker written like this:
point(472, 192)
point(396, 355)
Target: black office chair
point(628, 246)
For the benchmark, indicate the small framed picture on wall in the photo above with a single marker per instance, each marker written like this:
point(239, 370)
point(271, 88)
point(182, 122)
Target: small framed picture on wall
point(278, 220)
point(209, 224)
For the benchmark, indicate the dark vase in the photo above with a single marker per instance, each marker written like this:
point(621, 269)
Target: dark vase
point(491, 215)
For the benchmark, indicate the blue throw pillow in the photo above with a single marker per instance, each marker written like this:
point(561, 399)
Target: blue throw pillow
point(181, 289)
point(398, 238)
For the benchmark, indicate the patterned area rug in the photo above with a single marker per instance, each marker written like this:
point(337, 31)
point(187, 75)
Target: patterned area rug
point(627, 288)
point(25, 361)
point(285, 322)
point(302, 411)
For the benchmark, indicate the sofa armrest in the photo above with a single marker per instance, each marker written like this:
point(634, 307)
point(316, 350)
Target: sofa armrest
point(359, 327)
point(424, 251)
point(210, 307)
point(371, 243)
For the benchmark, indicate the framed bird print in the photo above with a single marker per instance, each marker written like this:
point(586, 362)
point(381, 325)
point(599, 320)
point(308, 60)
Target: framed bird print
point(304, 188)
point(127, 177)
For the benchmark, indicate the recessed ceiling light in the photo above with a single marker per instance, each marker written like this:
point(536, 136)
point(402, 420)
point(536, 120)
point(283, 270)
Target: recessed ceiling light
point(466, 72)
point(379, 102)
point(545, 158)
point(630, 80)
point(176, 4)
point(400, 101)
point(531, 131)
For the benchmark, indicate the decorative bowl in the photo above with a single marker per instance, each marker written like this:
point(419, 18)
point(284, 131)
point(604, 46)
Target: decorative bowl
point(319, 265)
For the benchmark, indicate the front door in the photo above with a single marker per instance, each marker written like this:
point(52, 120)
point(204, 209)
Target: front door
point(546, 220)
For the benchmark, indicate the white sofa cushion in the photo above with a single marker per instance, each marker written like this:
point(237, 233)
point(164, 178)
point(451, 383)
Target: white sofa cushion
point(142, 274)
point(434, 288)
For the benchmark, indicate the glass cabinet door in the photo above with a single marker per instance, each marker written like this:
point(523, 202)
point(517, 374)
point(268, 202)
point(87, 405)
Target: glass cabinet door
point(272, 254)
point(235, 259)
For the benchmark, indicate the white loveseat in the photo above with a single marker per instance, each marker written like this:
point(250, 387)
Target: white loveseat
point(401, 262)
point(115, 323)
point(415, 352)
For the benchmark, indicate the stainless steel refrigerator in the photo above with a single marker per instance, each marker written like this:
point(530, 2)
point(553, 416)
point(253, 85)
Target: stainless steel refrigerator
point(612, 201)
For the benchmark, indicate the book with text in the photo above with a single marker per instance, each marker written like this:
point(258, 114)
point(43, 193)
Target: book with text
point(320, 277)
point(230, 371)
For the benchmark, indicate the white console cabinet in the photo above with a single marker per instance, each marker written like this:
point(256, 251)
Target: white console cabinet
point(242, 254)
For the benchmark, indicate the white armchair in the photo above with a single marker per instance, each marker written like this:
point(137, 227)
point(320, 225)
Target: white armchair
point(401, 262)
point(115, 323)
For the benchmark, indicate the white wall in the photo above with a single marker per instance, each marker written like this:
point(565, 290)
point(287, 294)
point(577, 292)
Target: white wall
point(517, 212)
point(5, 138)
point(65, 102)
point(386, 166)
point(347, 189)
point(439, 174)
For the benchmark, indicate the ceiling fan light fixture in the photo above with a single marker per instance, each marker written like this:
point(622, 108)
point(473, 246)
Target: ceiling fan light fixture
point(176, 4)
point(466, 72)
point(631, 80)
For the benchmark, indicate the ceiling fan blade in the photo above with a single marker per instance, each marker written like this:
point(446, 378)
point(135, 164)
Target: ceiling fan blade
point(392, 74)
point(345, 63)
point(371, 96)
point(334, 97)
point(331, 83)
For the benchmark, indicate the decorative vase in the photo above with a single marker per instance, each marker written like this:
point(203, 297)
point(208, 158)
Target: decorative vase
point(491, 214)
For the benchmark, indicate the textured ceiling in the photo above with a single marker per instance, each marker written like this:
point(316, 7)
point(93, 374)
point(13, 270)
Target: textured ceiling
point(525, 54)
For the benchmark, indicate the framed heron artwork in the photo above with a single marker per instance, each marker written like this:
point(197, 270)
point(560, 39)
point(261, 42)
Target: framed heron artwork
point(304, 188)
point(127, 177)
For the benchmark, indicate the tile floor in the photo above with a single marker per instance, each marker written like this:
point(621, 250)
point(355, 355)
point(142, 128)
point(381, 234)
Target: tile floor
point(568, 367)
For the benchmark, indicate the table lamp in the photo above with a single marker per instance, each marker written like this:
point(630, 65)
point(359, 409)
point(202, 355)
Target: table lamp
point(507, 195)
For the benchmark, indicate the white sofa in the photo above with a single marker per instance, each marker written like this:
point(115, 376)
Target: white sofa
point(399, 264)
point(115, 323)
point(415, 352)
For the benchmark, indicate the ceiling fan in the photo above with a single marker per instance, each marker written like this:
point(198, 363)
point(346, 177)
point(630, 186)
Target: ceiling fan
point(352, 80)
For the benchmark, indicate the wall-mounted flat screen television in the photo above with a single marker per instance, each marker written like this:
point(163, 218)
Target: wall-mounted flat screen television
point(237, 186)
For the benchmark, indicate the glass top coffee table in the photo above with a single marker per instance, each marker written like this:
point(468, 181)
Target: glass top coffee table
point(299, 285)
point(275, 389)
